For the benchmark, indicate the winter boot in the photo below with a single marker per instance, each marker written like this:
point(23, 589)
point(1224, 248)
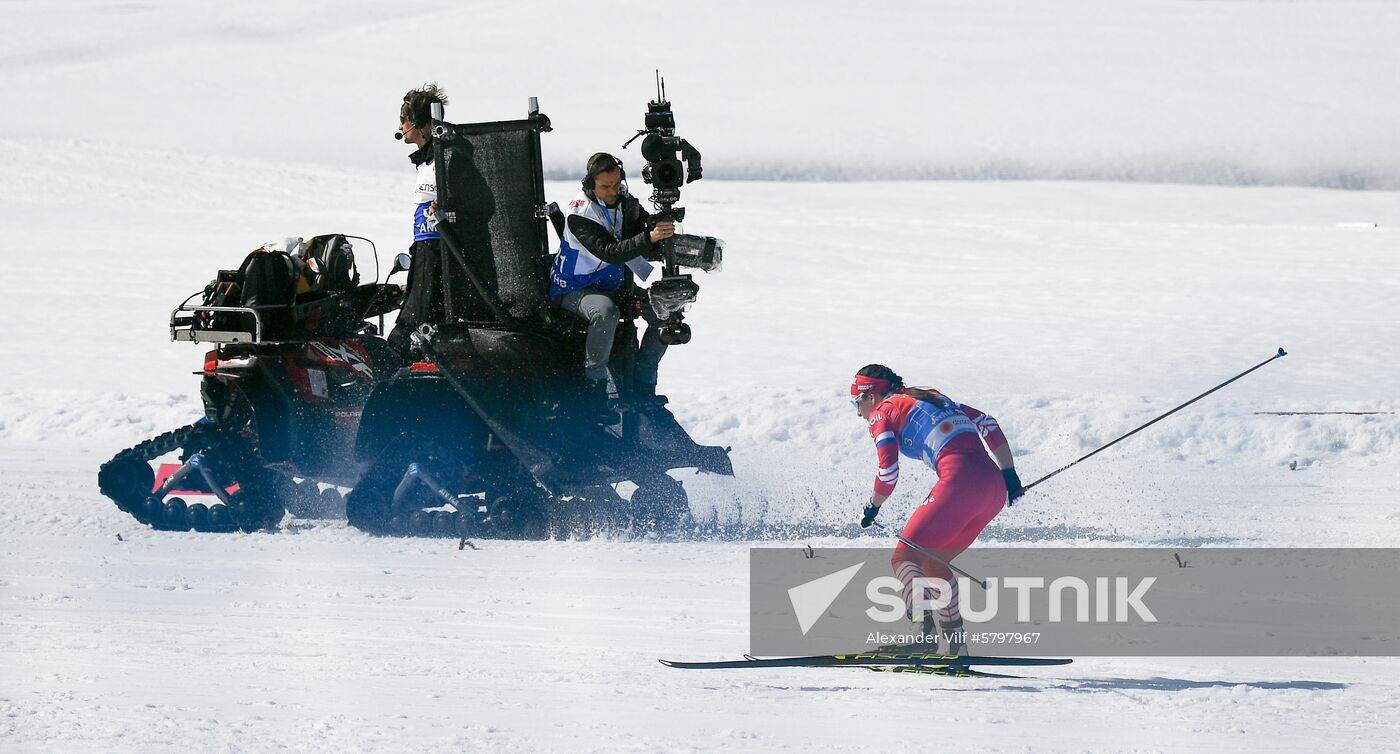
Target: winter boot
point(953, 633)
point(923, 639)
point(929, 629)
point(595, 402)
point(644, 395)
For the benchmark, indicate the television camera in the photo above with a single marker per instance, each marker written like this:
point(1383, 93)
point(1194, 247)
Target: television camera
point(672, 162)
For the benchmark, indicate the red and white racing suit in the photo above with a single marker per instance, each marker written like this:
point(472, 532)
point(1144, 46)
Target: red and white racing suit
point(969, 493)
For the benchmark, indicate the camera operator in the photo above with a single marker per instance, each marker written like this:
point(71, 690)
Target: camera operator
point(605, 234)
point(423, 295)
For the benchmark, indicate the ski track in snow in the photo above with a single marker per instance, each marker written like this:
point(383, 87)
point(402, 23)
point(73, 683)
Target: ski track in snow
point(318, 637)
point(1072, 312)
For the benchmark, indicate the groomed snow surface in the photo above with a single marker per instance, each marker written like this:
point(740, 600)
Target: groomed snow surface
point(145, 145)
point(1071, 311)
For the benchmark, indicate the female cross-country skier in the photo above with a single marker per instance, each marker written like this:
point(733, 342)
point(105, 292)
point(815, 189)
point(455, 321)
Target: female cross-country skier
point(924, 424)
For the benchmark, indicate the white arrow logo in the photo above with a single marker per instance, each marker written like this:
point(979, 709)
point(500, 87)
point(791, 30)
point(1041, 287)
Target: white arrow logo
point(810, 600)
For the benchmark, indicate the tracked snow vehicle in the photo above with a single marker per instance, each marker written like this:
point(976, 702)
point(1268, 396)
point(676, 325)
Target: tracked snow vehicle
point(487, 433)
point(482, 432)
point(293, 363)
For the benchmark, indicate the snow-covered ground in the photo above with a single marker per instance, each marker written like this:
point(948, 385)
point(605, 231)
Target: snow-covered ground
point(145, 145)
point(1073, 311)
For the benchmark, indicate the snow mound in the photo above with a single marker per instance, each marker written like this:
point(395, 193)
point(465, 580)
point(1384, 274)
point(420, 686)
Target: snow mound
point(818, 430)
point(71, 418)
point(1207, 433)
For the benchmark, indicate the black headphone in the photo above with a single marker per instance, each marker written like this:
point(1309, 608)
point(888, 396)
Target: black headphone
point(600, 162)
point(418, 116)
point(418, 122)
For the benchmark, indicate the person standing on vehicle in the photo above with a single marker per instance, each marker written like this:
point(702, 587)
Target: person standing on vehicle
point(423, 294)
point(605, 234)
point(971, 490)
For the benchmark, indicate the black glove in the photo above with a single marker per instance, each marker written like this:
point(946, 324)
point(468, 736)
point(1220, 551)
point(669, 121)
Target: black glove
point(1014, 490)
point(871, 511)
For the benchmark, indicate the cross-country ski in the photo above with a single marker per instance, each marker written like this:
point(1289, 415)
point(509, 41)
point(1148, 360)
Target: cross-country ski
point(865, 658)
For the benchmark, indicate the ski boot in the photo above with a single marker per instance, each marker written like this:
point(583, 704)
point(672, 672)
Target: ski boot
point(952, 634)
point(925, 638)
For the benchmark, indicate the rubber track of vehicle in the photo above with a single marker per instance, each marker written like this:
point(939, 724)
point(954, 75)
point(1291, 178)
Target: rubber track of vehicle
point(146, 452)
point(201, 435)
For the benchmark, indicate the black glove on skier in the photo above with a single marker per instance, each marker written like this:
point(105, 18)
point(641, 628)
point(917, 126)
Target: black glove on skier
point(1014, 490)
point(871, 511)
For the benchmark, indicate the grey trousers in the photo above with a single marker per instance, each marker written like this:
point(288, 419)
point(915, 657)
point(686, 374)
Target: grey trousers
point(602, 316)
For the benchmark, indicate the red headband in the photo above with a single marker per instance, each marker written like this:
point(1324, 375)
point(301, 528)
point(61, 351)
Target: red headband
point(862, 385)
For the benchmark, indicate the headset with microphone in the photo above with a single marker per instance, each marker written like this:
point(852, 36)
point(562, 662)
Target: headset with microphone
point(418, 123)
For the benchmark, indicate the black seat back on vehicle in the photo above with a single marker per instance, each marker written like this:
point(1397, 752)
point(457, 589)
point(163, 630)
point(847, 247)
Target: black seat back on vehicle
point(334, 264)
point(269, 284)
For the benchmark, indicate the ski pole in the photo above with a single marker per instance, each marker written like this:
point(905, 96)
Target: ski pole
point(1281, 353)
point(979, 582)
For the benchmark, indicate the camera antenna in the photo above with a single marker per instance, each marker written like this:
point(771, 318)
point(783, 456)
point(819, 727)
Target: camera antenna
point(660, 101)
